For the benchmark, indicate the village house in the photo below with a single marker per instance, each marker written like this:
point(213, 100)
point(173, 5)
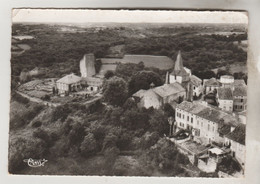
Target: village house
point(211, 85)
point(226, 80)
point(224, 99)
point(206, 123)
point(158, 96)
point(240, 98)
point(236, 141)
point(197, 86)
point(68, 83)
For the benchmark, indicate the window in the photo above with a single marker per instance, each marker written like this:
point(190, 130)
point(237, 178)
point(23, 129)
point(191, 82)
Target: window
point(241, 100)
point(188, 118)
point(201, 124)
point(183, 116)
point(241, 107)
point(213, 129)
point(208, 127)
point(191, 120)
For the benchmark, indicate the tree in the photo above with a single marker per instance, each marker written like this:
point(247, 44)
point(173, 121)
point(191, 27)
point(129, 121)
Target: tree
point(115, 91)
point(134, 119)
point(109, 74)
point(109, 141)
point(98, 65)
point(127, 70)
point(169, 111)
point(159, 122)
point(142, 80)
point(88, 146)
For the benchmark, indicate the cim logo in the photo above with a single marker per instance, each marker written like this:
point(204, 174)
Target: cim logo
point(35, 162)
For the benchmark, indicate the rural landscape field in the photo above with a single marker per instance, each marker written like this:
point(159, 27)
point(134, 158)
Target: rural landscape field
point(104, 136)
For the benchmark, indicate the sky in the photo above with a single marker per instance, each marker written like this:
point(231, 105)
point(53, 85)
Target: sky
point(127, 16)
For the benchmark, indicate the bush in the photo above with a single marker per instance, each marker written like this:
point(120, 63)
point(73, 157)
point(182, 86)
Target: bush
point(43, 135)
point(109, 74)
point(36, 124)
point(61, 112)
point(89, 145)
point(149, 139)
point(19, 98)
point(24, 148)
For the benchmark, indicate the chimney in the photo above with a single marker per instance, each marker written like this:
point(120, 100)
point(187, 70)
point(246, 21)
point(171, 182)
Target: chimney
point(152, 85)
point(167, 78)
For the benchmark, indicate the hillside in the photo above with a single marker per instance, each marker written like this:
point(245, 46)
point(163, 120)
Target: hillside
point(81, 140)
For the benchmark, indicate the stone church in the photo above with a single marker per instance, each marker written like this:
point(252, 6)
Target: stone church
point(179, 85)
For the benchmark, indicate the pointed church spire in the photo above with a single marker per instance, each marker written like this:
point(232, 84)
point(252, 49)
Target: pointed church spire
point(178, 62)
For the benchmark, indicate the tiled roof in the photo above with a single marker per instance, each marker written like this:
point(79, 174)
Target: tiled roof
point(195, 80)
point(225, 94)
point(208, 112)
point(140, 93)
point(168, 89)
point(240, 91)
point(145, 93)
point(227, 77)
point(69, 79)
point(239, 82)
point(238, 134)
point(212, 82)
point(224, 129)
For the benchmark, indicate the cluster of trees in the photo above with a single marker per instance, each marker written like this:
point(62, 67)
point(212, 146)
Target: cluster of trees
point(87, 131)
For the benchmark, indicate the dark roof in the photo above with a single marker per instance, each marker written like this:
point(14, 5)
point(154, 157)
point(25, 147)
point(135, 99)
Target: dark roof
point(240, 91)
point(238, 134)
point(224, 129)
point(225, 94)
point(212, 82)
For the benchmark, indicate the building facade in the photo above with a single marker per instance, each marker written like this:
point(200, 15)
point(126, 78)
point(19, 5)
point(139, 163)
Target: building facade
point(158, 96)
point(204, 121)
point(224, 98)
point(68, 83)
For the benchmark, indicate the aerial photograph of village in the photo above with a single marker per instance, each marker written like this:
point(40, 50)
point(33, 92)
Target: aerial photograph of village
point(128, 98)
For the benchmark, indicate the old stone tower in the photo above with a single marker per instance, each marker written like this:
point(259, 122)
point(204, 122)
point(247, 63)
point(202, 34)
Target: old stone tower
point(87, 65)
